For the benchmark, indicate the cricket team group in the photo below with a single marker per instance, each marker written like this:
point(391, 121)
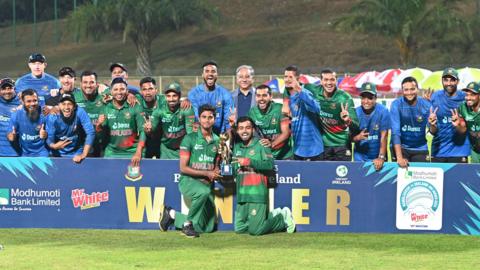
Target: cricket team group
point(244, 129)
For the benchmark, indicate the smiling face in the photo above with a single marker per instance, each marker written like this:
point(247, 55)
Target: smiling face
point(472, 99)
point(245, 131)
point(7, 92)
point(368, 101)
point(244, 79)
point(449, 84)
point(410, 91)
point(89, 84)
point(119, 92)
point(67, 82)
point(30, 103)
point(66, 107)
point(263, 98)
point(173, 99)
point(329, 82)
point(210, 75)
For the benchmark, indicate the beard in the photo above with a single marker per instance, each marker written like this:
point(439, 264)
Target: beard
point(33, 114)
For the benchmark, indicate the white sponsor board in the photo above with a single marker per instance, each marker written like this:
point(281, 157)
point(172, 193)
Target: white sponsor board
point(419, 198)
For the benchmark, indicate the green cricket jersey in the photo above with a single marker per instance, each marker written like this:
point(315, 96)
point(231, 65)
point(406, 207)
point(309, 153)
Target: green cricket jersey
point(472, 119)
point(124, 130)
point(174, 126)
point(160, 104)
point(334, 130)
point(152, 143)
point(251, 180)
point(93, 108)
point(202, 154)
point(269, 123)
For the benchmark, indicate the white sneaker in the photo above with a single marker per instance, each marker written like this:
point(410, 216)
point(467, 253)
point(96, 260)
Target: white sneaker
point(288, 219)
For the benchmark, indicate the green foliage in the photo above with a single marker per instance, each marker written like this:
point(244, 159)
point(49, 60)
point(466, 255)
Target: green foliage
point(140, 20)
point(407, 23)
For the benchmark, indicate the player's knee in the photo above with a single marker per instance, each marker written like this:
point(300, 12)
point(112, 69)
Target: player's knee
point(254, 232)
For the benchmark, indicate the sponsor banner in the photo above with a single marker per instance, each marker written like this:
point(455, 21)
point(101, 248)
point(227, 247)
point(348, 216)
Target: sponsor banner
point(323, 196)
point(419, 198)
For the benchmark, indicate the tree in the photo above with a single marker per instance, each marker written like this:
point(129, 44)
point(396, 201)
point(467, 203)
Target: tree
point(405, 22)
point(142, 21)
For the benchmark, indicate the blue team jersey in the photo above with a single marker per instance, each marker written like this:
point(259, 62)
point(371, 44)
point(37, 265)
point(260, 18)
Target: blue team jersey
point(307, 139)
point(79, 130)
point(447, 142)
point(220, 98)
point(7, 148)
point(28, 134)
point(409, 123)
point(46, 86)
point(375, 122)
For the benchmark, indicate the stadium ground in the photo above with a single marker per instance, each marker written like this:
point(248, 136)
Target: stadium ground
point(150, 249)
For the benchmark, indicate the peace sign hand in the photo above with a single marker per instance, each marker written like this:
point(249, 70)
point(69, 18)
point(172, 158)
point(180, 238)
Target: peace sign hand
point(147, 126)
point(432, 118)
point(427, 93)
point(455, 118)
point(344, 114)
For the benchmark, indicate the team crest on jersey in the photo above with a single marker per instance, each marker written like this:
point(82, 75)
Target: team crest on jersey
point(333, 106)
point(252, 152)
point(254, 212)
point(54, 92)
point(45, 88)
point(419, 119)
point(127, 115)
point(219, 104)
point(214, 148)
point(99, 103)
point(274, 121)
point(38, 127)
point(376, 127)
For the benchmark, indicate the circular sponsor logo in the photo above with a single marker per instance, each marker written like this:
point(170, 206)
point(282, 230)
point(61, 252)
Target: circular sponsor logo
point(419, 193)
point(342, 171)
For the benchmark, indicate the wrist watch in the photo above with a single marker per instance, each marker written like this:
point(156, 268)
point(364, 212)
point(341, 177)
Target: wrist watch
point(382, 157)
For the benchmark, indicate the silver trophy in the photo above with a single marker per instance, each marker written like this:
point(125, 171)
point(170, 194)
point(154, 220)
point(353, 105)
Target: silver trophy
point(225, 155)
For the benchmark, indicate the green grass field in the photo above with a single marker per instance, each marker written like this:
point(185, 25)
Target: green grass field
point(149, 249)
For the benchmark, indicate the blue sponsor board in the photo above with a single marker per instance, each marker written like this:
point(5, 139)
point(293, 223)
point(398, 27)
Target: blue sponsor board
point(323, 196)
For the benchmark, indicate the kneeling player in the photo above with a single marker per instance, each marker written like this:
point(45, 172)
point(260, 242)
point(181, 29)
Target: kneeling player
point(252, 163)
point(198, 152)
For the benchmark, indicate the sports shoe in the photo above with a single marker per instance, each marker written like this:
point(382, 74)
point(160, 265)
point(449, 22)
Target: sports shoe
point(276, 211)
point(288, 219)
point(189, 232)
point(165, 220)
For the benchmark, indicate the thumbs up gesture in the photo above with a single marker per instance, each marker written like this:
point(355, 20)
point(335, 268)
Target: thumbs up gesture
point(12, 135)
point(43, 133)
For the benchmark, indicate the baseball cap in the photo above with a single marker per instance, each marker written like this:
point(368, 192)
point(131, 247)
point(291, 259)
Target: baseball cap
point(368, 88)
point(66, 71)
point(67, 97)
point(473, 87)
point(37, 57)
point(450, 72)
point(210, 62)
point(6, 81)
point(118, 80)
point(120, 65)
point(174, 86)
